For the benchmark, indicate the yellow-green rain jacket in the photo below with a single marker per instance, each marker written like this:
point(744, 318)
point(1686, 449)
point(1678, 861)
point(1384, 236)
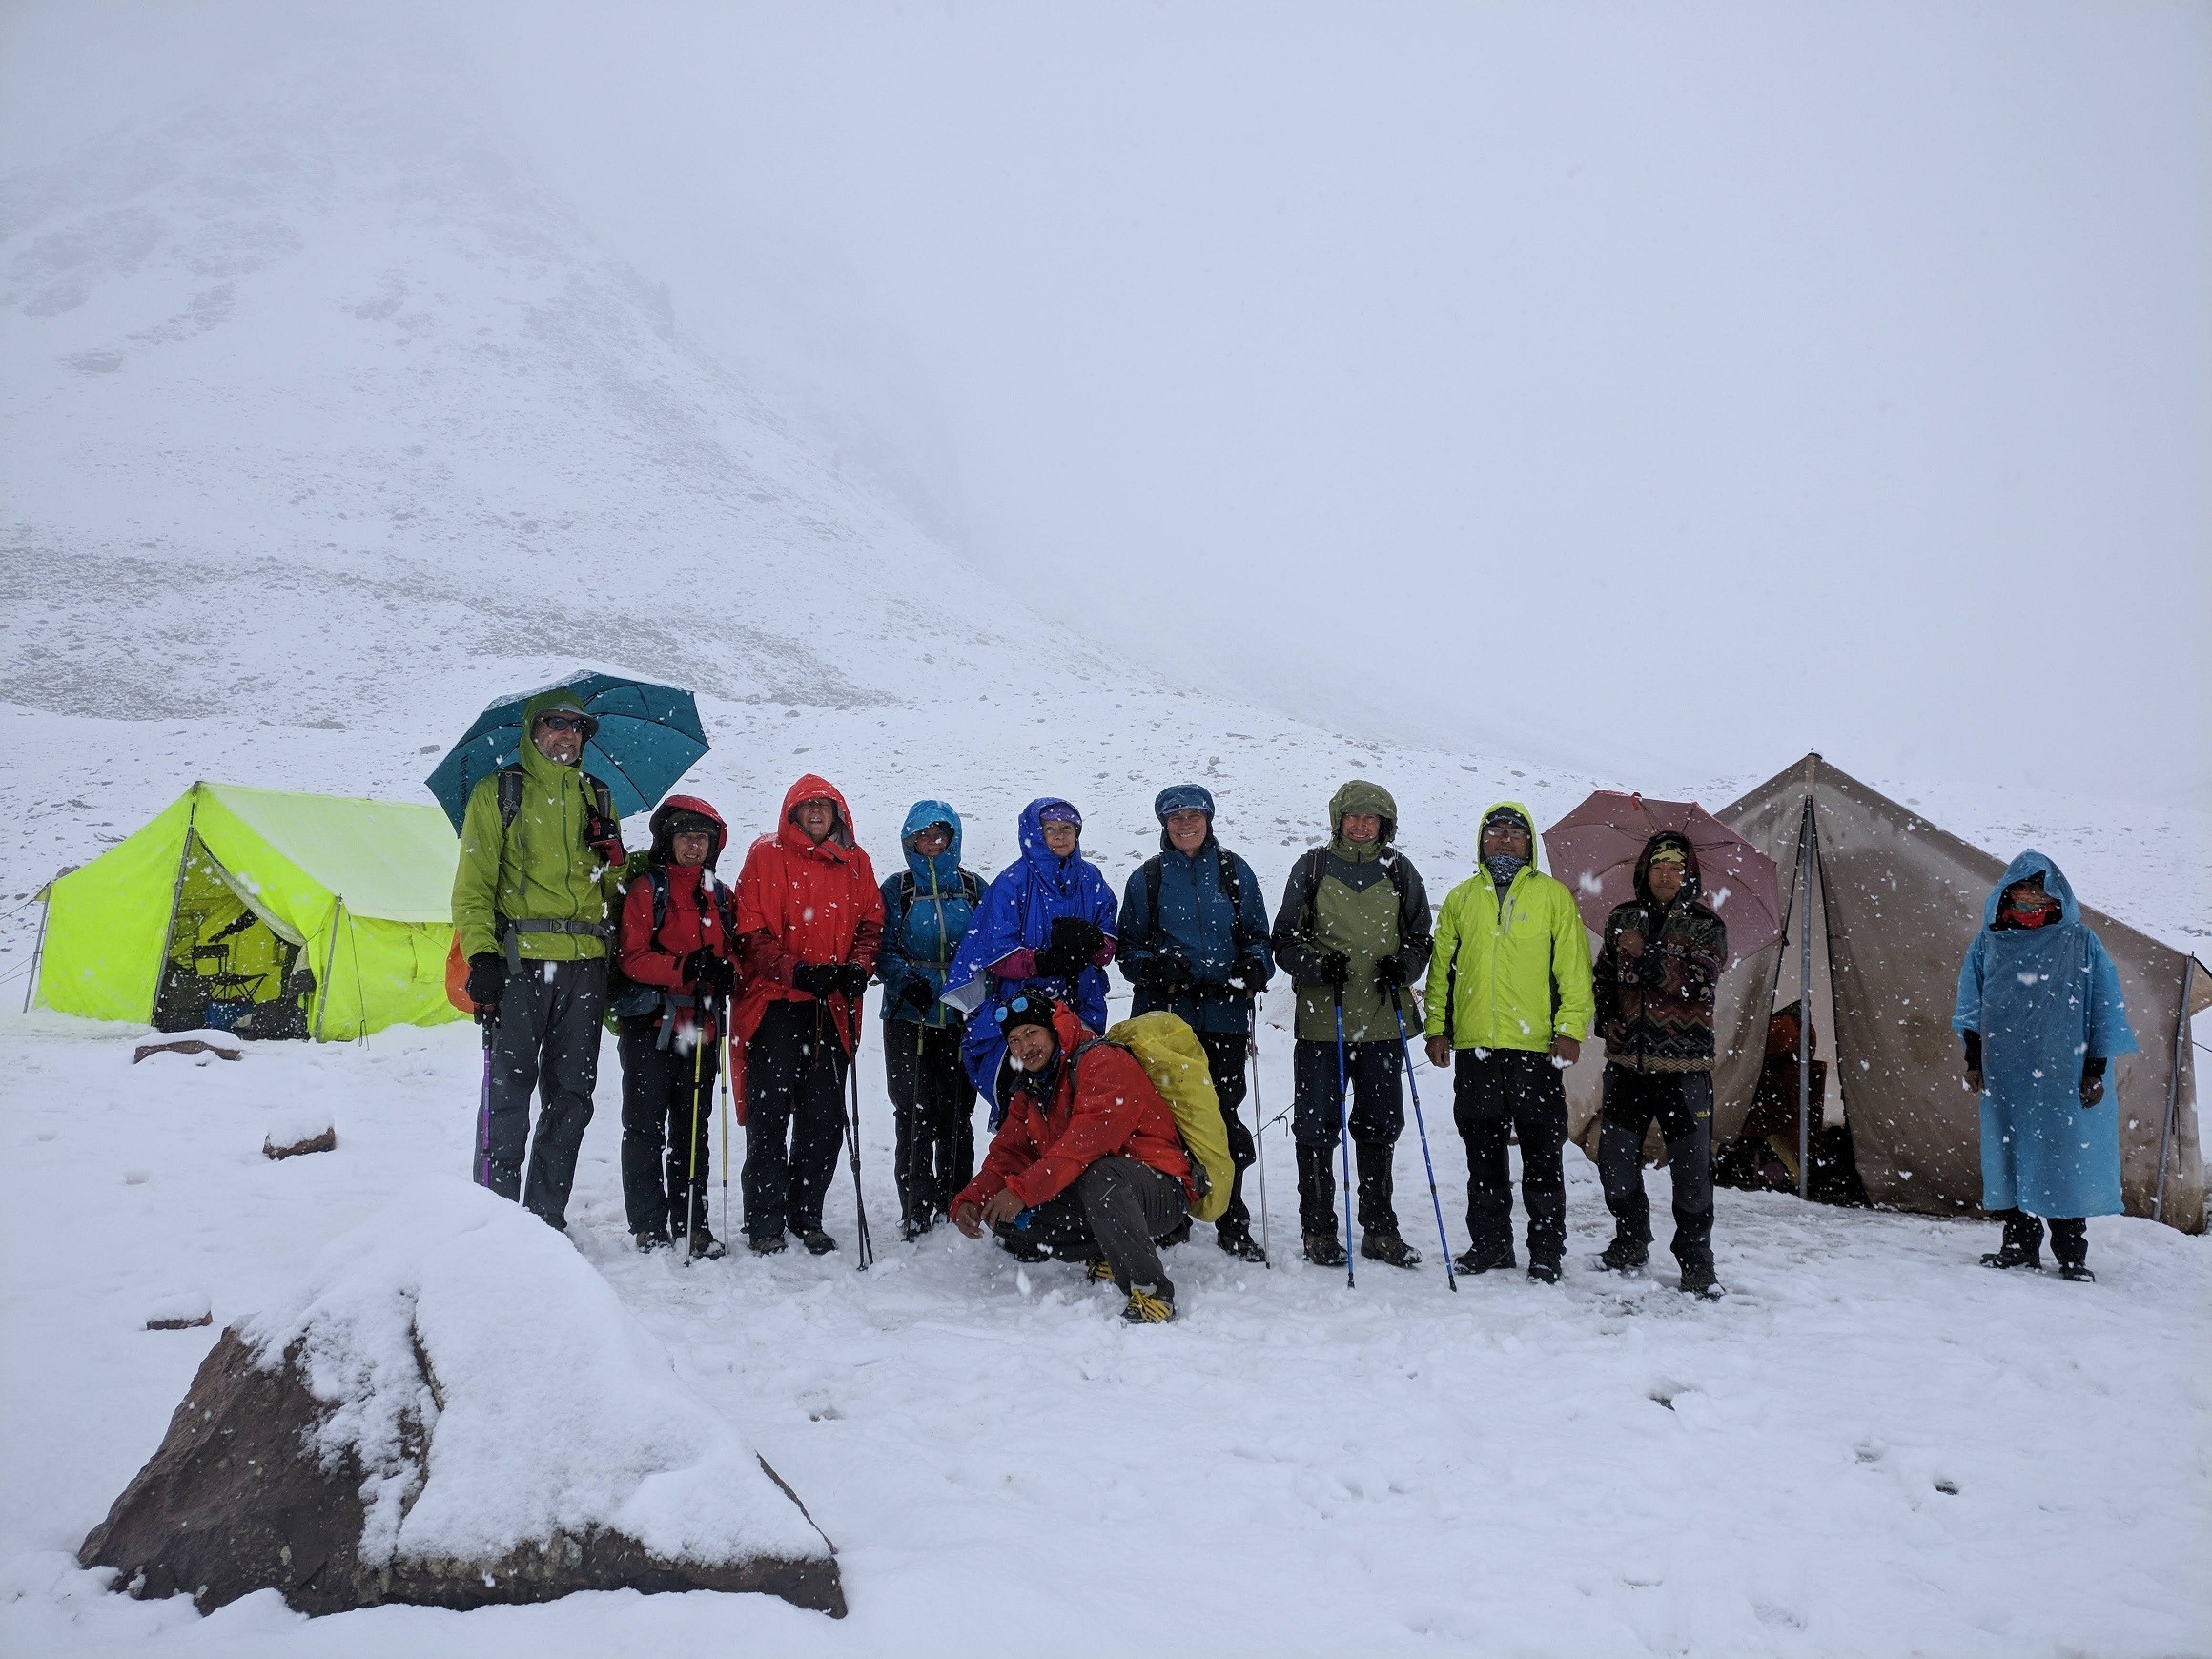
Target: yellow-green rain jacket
point(538, 868)
point(1516, 976)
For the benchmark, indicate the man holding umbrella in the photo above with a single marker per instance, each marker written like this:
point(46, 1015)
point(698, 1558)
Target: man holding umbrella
point(541, 864)
point(1656, 973)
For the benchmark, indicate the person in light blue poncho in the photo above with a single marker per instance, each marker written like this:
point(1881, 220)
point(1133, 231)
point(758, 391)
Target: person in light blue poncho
point(2042, 1015)
point(1047, 923)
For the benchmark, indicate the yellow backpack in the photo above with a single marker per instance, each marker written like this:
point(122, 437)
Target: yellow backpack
point(1171, 1058)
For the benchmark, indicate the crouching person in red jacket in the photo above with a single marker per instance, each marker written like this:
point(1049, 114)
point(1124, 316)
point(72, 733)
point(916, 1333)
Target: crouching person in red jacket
point(677, 947)
point(1088, 1157)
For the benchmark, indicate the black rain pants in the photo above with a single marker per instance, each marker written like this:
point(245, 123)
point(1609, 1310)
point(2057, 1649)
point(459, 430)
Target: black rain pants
point(547, 1042)
point(1682, 1101)
point(1118, 1209)
point(1495, 1092)
point(666, 1127)
point(1378, 1118)
point(794, 1117)
point(932, 1104)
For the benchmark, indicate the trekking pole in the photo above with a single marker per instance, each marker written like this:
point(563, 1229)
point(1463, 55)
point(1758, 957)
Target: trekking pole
point(1444, 1243)
point(483, 1107)
point(852, 1147)
point(691, 1205)
point(1260, 1139)
point(1344, 1138)
point(722, 1025)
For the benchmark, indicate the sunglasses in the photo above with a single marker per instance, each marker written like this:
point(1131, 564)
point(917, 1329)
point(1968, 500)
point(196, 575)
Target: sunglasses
point(1019, 1005)
point(563, 722)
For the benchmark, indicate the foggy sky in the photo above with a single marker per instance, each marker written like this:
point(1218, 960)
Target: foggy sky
point(1591, 382)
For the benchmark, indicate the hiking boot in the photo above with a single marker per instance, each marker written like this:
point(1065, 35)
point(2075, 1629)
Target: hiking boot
point(2023, 1243)
point(1377, 1245)
point(1322, 1250)
point(1544, 1269)
point(816, 1241)
point(704, 1245)
point(1698, 1279)
point(766, 1244)
point(1477, 1260)
point(649, 1241)
point(1179, 1234)
point(1098, 1271)
point(1148, 1305)
point(1625, 1255)
point(1241, 1245)
point(1023, 1249)
point(2076, 1272)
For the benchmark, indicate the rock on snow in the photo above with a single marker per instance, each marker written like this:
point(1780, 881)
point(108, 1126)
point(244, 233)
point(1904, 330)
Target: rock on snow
point(452, 1408)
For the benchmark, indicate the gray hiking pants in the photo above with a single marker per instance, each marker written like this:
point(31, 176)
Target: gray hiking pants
point(1119, 1208)
point(546, 1041)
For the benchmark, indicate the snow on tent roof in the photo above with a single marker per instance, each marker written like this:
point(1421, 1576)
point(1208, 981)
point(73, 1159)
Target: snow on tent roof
point(391, 859)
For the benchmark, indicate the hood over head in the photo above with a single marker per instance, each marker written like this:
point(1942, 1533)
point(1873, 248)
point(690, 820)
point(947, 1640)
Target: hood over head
point(2054, 883)
point(1362, 796)
point(663, 822)
point(945, 867)
point(816, 788)
point(1692, 883)
point(560, 697)
point(1031, 832)
point(1183, 798)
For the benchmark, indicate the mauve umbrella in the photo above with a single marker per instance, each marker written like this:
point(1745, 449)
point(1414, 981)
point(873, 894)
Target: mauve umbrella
point(1594, 850)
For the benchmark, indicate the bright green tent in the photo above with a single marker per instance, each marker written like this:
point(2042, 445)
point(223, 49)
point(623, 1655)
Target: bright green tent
point(269, 914)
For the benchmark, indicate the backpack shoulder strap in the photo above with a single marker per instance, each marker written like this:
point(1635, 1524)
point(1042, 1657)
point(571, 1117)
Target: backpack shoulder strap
point(510, 794)
point(1232, 883)
point(601, 795)
point(1313, 866)
point(908, 888)
point(972, 886)
point(1154, 872)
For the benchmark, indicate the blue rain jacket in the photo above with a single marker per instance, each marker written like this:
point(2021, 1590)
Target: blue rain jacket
point(1018, 910)
point(2044, 999)
point(919, 939)
point(1195, 921)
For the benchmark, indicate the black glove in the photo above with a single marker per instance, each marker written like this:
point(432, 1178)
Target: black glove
point(2092, 1081)
point(916, 995)
point(487, 978)
point(713, 976)
point(1169, 972)
point(602, 835)
point(1972, 1039)
point(852, 979)
point(1389, 976)
point(818, 979)
point(1075, 935)
point(1334, 969)
point(1249, 978)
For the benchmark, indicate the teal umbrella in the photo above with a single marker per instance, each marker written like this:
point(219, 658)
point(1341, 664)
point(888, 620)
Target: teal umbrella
point(648, 737)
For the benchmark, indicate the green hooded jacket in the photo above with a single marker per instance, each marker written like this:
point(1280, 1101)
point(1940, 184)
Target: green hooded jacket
point(1517, 974)
point(538, 868)
point(1364, 900)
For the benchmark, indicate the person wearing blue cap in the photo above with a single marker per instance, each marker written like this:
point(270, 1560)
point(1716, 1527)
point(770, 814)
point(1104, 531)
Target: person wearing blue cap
point(1193, 942)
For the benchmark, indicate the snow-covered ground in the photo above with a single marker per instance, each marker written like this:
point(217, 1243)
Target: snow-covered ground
point(1872, 1446)
point(322, 428)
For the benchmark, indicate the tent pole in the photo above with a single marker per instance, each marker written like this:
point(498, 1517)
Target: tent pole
point(2173, 1088)
point(328, 958)
point(176, 898)
point(1804, 1004)
point(46, 910)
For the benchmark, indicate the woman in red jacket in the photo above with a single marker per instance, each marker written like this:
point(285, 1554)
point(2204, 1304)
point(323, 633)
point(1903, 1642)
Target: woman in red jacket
point(809, 922)
point(677, 948)
point(1088, 1157)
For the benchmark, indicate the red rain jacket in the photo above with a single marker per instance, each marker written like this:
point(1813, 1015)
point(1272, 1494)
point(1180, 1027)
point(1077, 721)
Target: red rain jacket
point(1102, 1106)
point(689, 925)
point(803, 901)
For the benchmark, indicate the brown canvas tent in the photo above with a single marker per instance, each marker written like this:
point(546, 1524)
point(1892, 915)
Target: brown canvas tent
point(1894, 901)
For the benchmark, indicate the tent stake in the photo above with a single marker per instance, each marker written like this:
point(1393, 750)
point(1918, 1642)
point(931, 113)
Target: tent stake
point(1804, 1004)
point(2173, 1088)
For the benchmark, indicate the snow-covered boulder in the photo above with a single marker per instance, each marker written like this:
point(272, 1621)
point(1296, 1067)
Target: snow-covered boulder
point(452, 1408)
point(299, 1129)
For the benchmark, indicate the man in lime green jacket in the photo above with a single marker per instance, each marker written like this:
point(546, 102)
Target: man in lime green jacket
point(531, 900)
point(1511, 976)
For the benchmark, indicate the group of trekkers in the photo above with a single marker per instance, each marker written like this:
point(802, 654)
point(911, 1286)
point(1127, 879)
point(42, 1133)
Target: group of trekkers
point(1000, 988)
